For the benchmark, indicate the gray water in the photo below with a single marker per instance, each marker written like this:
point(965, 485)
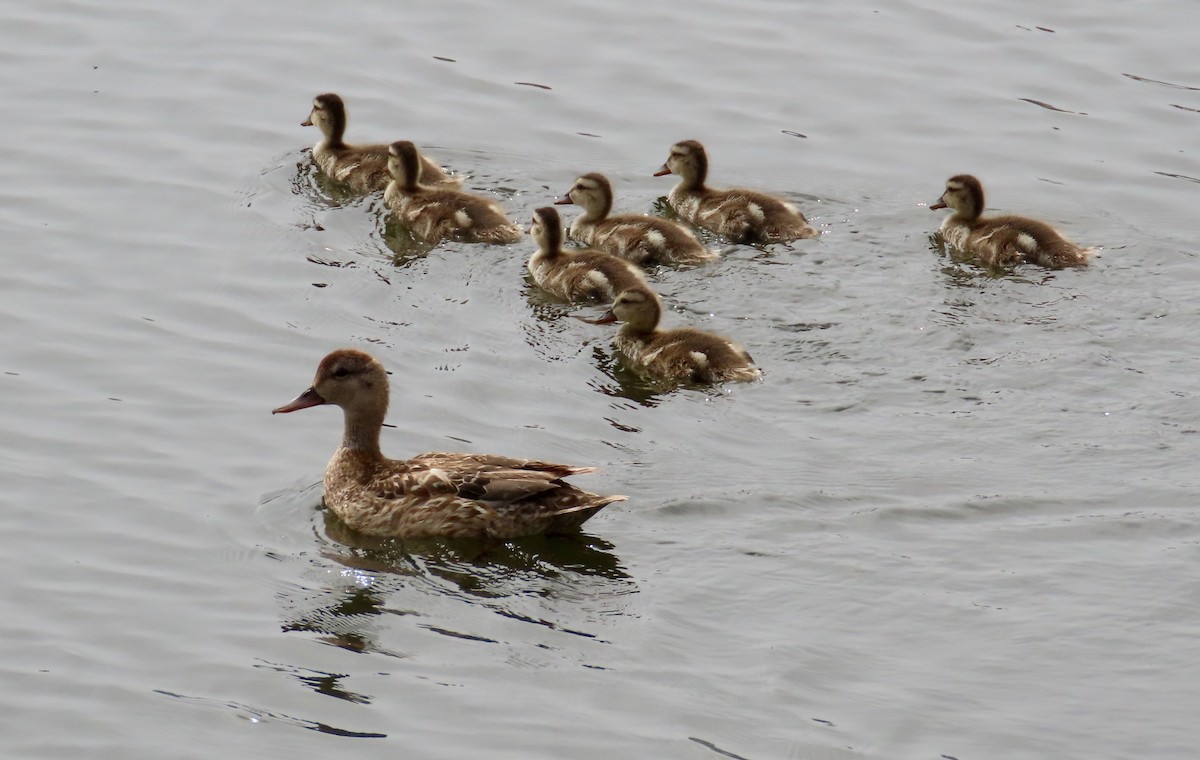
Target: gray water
point(956, 519)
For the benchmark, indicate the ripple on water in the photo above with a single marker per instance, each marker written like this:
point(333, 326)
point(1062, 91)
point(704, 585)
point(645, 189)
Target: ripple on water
point(955, 493)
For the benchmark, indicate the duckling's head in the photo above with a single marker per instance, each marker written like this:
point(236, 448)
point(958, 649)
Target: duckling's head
point(329, 114)
point(594, 192)
point(349, 378)
point(639, 308)
point(963, 194)
point(687, 159)
point(404, 163)
point(546, 229)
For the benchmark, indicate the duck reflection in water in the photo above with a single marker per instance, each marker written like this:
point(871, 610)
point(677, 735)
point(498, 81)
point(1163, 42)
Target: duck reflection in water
point(575, 577)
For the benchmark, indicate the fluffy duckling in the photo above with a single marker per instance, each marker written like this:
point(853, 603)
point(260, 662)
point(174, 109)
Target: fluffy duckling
point(434, 214)
point(743, 216)
point(435, 494)
point(643, 239)
point(362, 167)
point(680, 355)
point(1002, 241)
point(579, 275)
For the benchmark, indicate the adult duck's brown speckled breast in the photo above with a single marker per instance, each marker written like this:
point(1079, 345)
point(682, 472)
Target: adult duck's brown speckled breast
point(1002, 240)
point(435, 494)
point(362, 167)
point(743, 216)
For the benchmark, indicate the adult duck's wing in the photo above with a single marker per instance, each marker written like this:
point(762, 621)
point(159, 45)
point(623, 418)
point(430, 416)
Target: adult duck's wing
point(505, 486)
point(486, 462)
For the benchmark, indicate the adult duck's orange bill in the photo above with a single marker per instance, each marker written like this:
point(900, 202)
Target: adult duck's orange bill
point(309, 398)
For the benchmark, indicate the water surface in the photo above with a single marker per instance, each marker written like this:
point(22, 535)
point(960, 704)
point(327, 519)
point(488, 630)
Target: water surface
point(954, 520)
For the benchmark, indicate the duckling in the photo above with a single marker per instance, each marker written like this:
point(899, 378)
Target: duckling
point(362, 167)
point(743, 216)
point(680, 355)
point(434, 214)
point(435, 494)
point(643, 239)
point(1002, 241)
point(580, 275)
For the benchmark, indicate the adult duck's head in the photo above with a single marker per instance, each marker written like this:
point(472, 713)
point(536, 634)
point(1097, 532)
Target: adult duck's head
point(349, 378)
point(963, 194)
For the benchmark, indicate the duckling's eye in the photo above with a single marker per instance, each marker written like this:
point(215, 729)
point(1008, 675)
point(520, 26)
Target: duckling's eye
point(341, 372)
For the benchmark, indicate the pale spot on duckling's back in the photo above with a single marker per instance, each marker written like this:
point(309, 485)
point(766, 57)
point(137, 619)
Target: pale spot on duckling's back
point(744, 216)
point(656, 240)
point(598, 281)
point(1002, 240)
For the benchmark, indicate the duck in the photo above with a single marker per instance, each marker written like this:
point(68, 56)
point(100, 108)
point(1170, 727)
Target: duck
point(643, 239)
point(434, 494)
point(583, 274)
point(680, 355)
point(436, 213)
point(743, 216)
point(1002, 241)
point(362, 167)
